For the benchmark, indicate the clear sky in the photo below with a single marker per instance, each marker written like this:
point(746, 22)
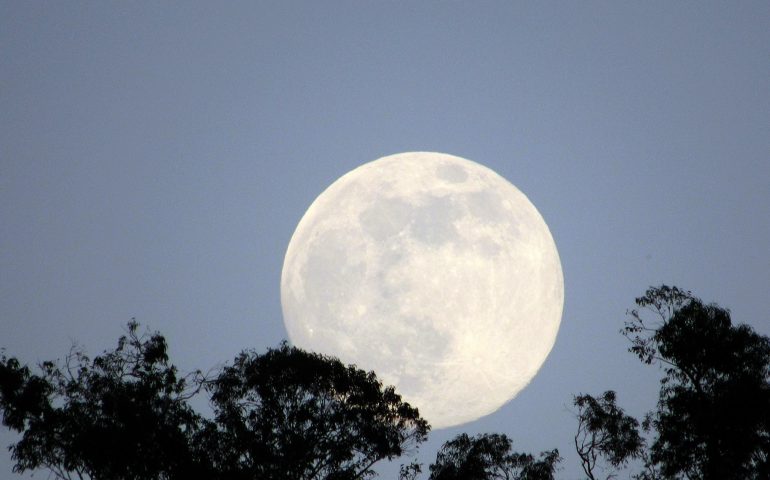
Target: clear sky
point(156, 157)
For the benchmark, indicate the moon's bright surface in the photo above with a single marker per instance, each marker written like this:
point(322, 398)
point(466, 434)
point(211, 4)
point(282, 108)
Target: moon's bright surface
point(433, 271)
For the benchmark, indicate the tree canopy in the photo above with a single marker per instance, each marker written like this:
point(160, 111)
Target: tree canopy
point(713, 415)
point(605, 432)
point(122, 415)
point(489, 457)
point(292, 414)
point(125, 415)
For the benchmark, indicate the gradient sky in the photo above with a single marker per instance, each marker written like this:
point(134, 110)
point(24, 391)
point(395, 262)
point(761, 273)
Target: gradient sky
point(156, 157)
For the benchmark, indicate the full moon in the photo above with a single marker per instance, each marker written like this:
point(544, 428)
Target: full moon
point(433, 271)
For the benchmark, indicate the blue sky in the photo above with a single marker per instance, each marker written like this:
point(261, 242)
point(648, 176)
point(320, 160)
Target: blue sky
point(156, 157)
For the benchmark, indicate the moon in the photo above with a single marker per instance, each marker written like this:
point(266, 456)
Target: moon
point(434, 272)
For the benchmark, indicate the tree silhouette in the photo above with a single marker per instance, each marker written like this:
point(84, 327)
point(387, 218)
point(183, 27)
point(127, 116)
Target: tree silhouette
point(713, 415)
point(125, 415)
point(294, 414)
point(122, 415)
point(291, 414)
point(489, 457)
point(605, 432)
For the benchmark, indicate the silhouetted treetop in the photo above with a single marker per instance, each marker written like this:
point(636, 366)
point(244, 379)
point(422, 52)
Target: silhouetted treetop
point(122, 415)
point(713, 415)
point(125, 415)
point(294, 414)
point(605, 432)
point(489, 457)
point(291, 414)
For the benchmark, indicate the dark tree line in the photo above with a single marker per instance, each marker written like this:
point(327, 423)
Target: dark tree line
point(712, 420)
point(125, 415)
point(291, 414)
point(489, 457)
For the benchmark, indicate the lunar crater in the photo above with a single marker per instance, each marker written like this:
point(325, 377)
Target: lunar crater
point(451, 173)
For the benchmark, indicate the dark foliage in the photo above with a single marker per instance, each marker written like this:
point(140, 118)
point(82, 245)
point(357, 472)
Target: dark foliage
point(489, 457)
point(290, 414)
point(409, 472)
point(122, 415)
point(605, 432)
point(287, 414)
point(294, 414)
point(713, 415)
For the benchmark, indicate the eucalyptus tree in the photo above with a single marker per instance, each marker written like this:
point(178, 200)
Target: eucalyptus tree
point(607, 438)
point(489, 457)
point(125, 415)
point(712, 419)
point(122, 415)
point(293, 414)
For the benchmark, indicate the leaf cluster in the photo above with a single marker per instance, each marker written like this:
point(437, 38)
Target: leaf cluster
point(294, 414)
point(605, 432)
point(489, 457)
point(122, 415)
point(713, 415)
point(125, 415)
